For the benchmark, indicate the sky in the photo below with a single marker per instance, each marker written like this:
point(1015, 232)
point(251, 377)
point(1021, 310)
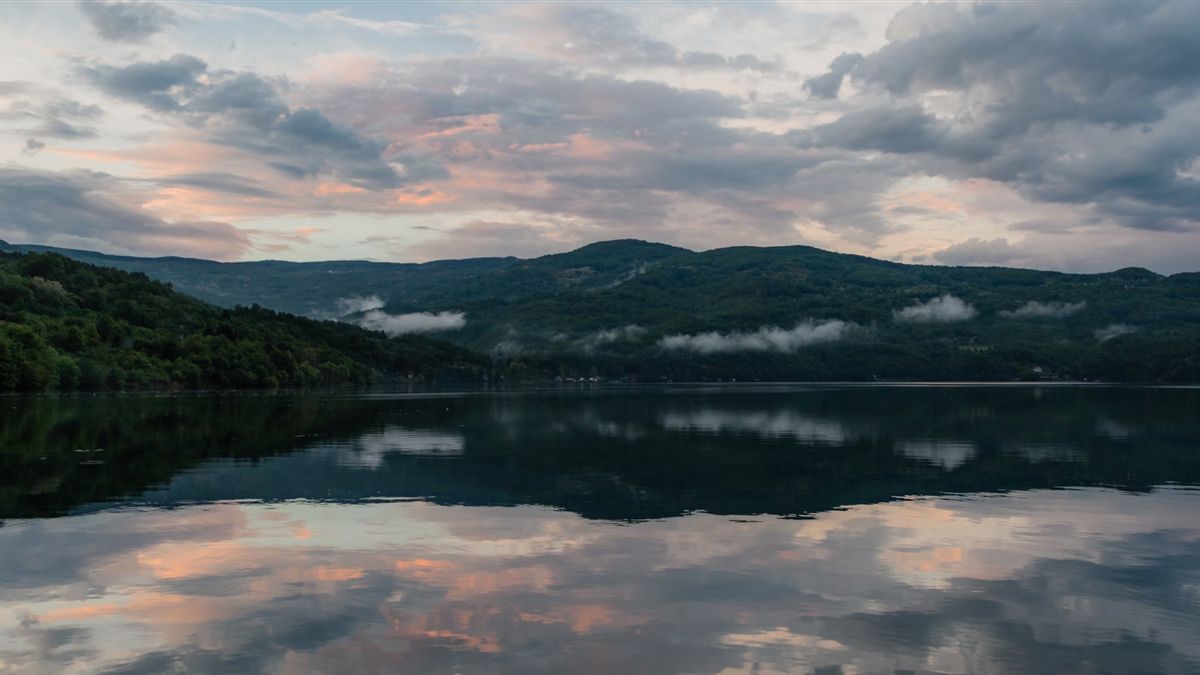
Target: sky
point(1051, 135)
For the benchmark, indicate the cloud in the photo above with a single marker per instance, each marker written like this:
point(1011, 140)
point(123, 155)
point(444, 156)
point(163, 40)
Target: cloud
point(1114, 330)
point(164, 86)
point(296, 591)
point(1085, 249)
point(16, 87)
point(608, 336)
point(766, 423)
point(417, 322)
point(1094, 109)
point(505, 141)
point(486, 238)
point(683, 124)
point(220, 182)
point(33, 146)
point(944, 309)
point(357, 305)
point(246, 111)
point(976, 251)
point(528, 97)
point(128, 22)
point(57, 128)
point(955, 47)
point(1044, 310)
point(829, 84)
point(372, 449)
point(596, 153)
point(600, 36)
point(43, 207)
point(902, 129)
point(52, 114)
point(764, 339)
point(949, 455)
point(508, 347)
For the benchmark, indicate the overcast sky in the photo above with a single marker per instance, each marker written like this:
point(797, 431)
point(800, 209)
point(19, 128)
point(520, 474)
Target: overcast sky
point(1051, 135)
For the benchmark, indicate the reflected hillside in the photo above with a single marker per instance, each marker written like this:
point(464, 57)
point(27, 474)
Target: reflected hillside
point(57, 453)
point(617, 454)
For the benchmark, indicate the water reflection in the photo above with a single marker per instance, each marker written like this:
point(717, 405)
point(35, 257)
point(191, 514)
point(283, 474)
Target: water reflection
point(371, 449)
point(1040, 582)
point(947, 454)
point(649, 532)
point(779, 424)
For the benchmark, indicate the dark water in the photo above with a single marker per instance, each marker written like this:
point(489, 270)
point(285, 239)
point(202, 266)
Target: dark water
point(830, 530)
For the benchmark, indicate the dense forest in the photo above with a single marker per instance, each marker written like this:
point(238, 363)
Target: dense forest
point(703, 316)
point(634, 310)
point(68, 325)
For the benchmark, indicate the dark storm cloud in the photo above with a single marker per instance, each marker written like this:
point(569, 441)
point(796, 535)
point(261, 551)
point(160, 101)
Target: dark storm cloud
point(38, 206)
point(247, 111)
point(129, 22)
point(1081, 104)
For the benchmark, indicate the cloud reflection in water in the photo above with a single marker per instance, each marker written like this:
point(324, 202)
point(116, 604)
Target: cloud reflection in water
point(946, 585)
point(698, 531)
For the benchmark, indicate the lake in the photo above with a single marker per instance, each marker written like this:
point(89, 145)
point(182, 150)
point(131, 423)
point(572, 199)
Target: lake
point(773, 529)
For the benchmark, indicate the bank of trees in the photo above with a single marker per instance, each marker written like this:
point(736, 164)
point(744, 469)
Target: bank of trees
point(67, 325)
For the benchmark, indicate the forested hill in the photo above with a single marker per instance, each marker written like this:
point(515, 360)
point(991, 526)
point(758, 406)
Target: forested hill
point(801, 313)
point(314, 288)
point(68, 325)
point(650, 311)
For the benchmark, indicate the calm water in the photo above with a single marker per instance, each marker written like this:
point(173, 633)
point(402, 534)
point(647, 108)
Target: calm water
point(824, 529)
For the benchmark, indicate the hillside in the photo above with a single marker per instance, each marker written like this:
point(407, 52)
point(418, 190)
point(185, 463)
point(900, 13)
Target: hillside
point(68, 325)
point(314, 289)
point(712, 315)
point(638, 309)
point(305, 289)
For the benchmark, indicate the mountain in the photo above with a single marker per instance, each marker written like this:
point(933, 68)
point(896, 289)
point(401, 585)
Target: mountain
point(66, 325)
point(314, 289)
point(640, 309)
point(804, 313)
